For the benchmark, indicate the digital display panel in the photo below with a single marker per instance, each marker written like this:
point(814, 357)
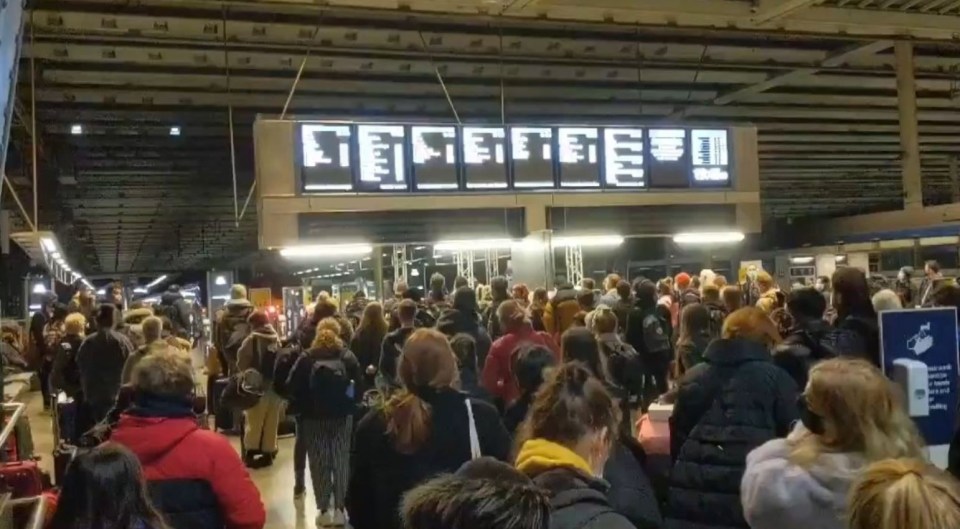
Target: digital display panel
point(422, 157)
point(711, 158)
point(327, 162)
point(485, 157)
point(382, 162)
point(579, 155)
point(531, 150)
point(623, 158)
point(669, 161)
point(434, 157)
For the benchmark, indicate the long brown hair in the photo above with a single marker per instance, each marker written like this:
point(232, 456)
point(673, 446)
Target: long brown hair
point(373, 323)
point(427, 364)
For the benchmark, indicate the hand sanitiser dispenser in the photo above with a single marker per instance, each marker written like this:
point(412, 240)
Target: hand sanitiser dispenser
point(913, 378)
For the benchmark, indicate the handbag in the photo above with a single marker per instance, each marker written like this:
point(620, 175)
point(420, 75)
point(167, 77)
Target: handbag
point(475, 452)
point(244, 390)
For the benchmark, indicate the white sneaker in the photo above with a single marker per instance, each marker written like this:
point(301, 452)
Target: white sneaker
point(339, 518)
point(325, 519)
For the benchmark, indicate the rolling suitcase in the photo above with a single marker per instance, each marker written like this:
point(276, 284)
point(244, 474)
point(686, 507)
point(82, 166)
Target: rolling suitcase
point(62, 456)
point(65, 419)
point(223, 418)
point(21, 478)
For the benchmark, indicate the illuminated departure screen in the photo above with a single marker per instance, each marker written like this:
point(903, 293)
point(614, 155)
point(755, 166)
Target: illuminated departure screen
point(579, 154)
point(531, 150)
point(669, 161)
point(382, 163)
point(485, 157)
point(326, 157)
point(434, 157)
point(623, 158)
point(711, 165)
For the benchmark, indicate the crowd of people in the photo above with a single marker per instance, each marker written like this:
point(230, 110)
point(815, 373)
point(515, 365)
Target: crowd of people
point(446, 410)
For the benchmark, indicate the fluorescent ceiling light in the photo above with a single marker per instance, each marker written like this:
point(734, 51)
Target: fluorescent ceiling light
point(102, 292)
point(140, 290)
point(156, 281)
point(48, 243)
point(801, 260)
point(473, 244)
point(220, 280)
point(588, 240)
point(708, 237)
point(174, 131)
point(66, 268)
point(840, 258)
point(326, 250)
point(415, 273)
point(39, 288)
point(76, 129)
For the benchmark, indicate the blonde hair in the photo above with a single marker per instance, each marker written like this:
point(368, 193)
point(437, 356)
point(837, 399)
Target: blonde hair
point(75, 324)
point(861, 413)
point(904, 494)
point(328, 335)
point(426, 364)
point(152, 329)
point(886, 299)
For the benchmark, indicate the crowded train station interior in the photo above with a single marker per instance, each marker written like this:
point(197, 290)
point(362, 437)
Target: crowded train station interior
point(480, 264)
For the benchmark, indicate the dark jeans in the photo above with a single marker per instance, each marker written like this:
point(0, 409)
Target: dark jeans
point(46, 368)
point(299, 457)
point(655, 379)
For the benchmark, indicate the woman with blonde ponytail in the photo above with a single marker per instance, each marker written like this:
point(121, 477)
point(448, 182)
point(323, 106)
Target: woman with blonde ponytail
point(904, 494)
point(426, 428)
point(323, 387)
point(850, 417)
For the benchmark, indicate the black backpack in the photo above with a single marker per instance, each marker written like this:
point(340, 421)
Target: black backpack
point(283, 369)
point(236, 331)
point(716, 321)
point(267, 354)
point(331, 389)
point(624, 364)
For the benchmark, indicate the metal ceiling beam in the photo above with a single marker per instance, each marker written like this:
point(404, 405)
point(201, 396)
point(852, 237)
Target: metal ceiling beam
point(773, 10)
point(832, 61)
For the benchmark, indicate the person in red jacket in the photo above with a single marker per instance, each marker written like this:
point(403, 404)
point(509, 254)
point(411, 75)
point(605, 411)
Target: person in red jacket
point(195, 477)
point(498, 378)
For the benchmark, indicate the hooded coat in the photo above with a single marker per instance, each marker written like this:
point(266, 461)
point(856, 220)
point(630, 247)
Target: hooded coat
point(778, 494)
point(560, 311)
point(464, 317)
point(498, 289)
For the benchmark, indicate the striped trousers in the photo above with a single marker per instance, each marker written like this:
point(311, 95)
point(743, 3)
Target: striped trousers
point(327, 443)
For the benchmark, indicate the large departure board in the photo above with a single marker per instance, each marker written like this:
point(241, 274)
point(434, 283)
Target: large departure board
point(426, 157)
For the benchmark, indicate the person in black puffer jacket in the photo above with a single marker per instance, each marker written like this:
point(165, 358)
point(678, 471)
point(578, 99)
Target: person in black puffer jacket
point(856, 331)
point(464, 317)
point(732, 403)
point(806, 344)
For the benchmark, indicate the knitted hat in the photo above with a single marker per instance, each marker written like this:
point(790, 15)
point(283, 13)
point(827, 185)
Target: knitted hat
point(682, 281)
point(238, 292)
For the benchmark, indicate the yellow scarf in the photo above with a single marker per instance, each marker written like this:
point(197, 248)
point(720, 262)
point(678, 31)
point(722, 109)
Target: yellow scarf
point(538, 455)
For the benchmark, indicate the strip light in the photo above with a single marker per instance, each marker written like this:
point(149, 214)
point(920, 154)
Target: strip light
point(588, 241)
point(472, 244)
point(326, 250)
point(801, 260)
point(709, 237)
point(156, 281)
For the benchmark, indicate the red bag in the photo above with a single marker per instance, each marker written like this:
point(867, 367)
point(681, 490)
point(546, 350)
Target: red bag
point(21, 478)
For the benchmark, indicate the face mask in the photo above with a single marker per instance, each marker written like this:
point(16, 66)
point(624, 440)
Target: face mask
point(810, 420)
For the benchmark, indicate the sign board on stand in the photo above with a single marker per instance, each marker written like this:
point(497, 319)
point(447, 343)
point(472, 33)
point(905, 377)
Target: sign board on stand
point(261, 297)
point(919, 351)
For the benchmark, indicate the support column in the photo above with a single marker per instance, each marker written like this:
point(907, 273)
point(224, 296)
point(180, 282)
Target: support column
point(909, 130)
point(954, 180)
point(534, 219)
point(382, 290)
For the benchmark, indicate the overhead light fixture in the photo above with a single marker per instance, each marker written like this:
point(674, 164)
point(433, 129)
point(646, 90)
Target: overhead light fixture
point(840, 258)
point(472, 244)
point(220, 280)
point(326, 250)
point(66, 268)
point(709, 237)
point(76, 129)
point(102, 292)
point(39, 288)
point(48, 244)
point(801, 260)
point(156, 281)
point(415, 273)
point(174, 131)
point(140, 290)
point(588, 240)
point(420, 248)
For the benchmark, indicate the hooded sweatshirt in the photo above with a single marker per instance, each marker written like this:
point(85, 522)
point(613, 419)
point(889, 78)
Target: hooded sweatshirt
point(247, 357)
point(778, 494)
point(579, 500)
point(196, 478)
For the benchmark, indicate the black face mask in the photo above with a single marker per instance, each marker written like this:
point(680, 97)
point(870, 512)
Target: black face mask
point(811, 421)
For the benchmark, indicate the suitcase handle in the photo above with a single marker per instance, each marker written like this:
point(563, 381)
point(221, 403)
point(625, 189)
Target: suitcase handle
point(17, 409)
point(38, 516)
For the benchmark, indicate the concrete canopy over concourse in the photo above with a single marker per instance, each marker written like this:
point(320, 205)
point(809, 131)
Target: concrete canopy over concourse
point(818, 79)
